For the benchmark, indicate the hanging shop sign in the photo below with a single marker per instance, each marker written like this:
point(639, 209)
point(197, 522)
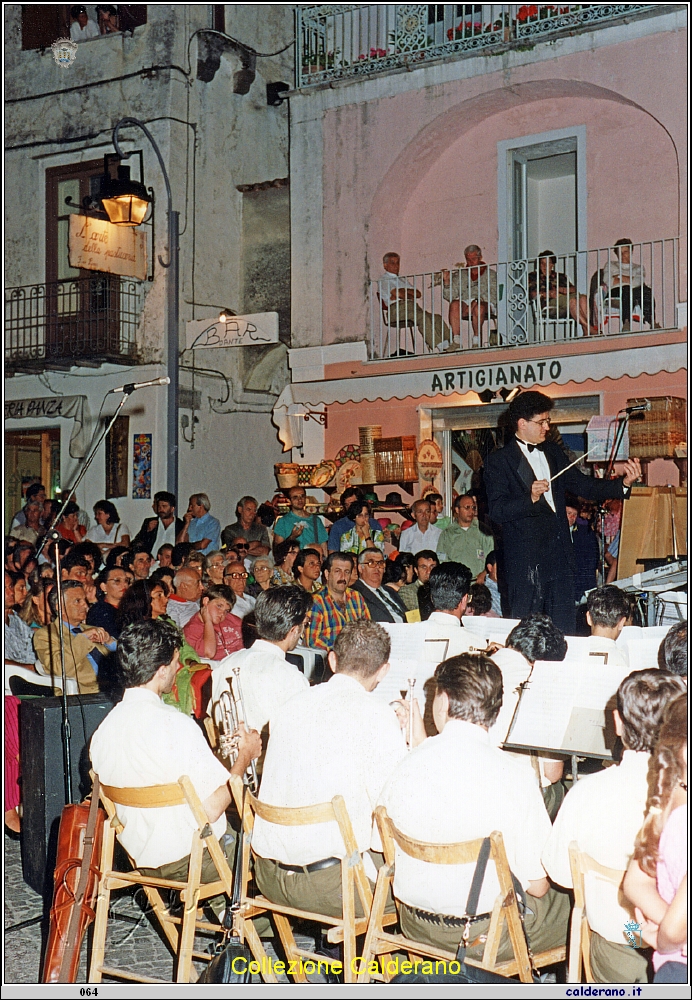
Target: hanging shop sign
point(49, 407)
point(97, 245)
point(233, 331)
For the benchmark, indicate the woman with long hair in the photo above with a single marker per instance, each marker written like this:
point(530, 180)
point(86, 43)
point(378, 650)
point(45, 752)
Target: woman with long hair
point(36, 611)
point(361, 536)
point(108, 531)
point(656, 880)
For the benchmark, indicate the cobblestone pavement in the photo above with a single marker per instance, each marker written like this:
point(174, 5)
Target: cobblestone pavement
point(133, 941)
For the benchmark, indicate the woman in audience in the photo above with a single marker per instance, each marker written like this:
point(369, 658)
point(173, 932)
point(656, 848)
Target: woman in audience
point(307, 570)
point(115, 556)
point(214, 632)
point(108, 531)
point(284, 556)
point(656, 880)
point(196, 560)
point(144, 599)
point(398, 572)
point(214, 575)
point(36, 610)
point(262, 570)
point(19, 591)
point(361, 536)
point(68, 525)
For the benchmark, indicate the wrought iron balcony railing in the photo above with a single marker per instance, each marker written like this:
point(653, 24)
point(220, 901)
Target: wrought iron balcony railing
point(593, 293)
point(342, 41)
point(78, 320)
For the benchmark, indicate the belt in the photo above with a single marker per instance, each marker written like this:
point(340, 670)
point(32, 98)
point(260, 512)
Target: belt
point(446, 920)
point(316, 866)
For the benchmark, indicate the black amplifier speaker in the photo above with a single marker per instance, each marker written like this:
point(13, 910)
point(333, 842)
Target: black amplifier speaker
point(42, 770)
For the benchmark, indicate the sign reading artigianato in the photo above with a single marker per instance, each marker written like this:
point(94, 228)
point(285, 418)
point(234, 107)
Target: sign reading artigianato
point(97, 245)
point(235, 331)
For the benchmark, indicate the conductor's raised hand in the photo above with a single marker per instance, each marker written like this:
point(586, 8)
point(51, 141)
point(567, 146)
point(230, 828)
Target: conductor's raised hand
point(538, 488)
point(633, 472)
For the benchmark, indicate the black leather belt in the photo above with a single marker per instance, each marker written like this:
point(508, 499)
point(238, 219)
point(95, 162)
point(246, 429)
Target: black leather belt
point(446, 920)
point(316, 866)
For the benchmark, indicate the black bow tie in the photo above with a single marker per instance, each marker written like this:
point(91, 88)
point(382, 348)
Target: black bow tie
point(532, 447)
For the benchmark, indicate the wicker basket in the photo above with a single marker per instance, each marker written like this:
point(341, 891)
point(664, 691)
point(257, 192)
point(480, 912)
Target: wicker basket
point(369, 467)
point(286, 474)
point(368, 436)
point(657, 432)
point(395, 460)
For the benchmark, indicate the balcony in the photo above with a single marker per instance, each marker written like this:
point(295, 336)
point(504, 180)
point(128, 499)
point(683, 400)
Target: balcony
point(348, 41)
point(624, 290)
point(83, 321)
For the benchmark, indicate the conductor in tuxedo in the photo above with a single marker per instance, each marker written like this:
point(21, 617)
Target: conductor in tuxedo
point(529, 503)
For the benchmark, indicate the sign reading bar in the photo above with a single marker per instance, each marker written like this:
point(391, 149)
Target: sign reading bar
point(97, 245)
point(236, 331)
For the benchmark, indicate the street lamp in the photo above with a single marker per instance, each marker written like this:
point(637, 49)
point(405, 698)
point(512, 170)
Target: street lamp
point(126, 202)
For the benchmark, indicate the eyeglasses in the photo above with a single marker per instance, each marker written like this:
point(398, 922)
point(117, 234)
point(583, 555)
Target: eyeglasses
point(235, 576)
point(241, 546)
point(542, 423)
point(373, 562)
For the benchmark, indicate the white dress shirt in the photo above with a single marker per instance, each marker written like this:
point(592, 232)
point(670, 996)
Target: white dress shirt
point(617, 655)
point(353, 743)
point(182, 611)
point(456, 787)
point(603, 813)
point(164, 536)
point(243, 605)
point(267, 679)
point(413, 540)
point(539, 463)
point(144, 742)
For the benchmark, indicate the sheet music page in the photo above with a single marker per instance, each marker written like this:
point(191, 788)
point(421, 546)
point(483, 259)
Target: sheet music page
point(564, 706)
point(642, 644)
point(489, 629)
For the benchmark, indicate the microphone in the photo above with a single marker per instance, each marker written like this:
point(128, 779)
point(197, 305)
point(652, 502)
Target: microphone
point(639, 408)
point(131, 386)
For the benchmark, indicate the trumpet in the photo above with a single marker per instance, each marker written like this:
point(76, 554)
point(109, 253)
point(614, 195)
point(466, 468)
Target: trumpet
point(411, 686)
point(229, 724)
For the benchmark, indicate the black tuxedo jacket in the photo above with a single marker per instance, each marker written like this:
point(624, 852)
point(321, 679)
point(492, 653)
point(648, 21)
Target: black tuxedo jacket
point(379, 612)
point(148, 538)
point(536, 540)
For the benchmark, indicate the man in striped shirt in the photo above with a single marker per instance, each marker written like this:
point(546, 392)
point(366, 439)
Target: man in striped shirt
point(335, 605)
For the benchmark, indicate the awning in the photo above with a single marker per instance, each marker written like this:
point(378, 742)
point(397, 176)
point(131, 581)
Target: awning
point(457, 377)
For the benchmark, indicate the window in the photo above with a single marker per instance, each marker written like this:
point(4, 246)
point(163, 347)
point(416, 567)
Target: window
point(44, 23)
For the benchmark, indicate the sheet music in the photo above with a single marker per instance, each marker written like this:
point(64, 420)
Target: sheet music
point(642, 644)
point(489, 629)
point(564, 707)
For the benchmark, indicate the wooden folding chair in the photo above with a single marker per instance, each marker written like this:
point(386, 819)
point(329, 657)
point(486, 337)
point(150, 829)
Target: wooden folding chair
point(179, 932)
point(345, 928)
point(505, 908)
point(582, 865)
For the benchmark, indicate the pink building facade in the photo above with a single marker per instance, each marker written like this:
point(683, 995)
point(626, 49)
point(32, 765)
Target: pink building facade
point(570, 143)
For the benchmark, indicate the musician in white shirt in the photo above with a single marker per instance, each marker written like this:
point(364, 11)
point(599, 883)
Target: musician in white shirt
point(352, 742)
point(607, 612)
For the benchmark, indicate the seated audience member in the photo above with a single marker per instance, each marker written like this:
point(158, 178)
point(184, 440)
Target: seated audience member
point(112, 584)
point(267, 679)
point(180, 554)
point(334, 605)
point(672, 654)
point(424, 561)
point(352, 743)
point(68, 523)
point(471, 290)
point(307, 570)
point(423, 534)
point(164, 574)
point(35, 610)
point(534, 638)
point(200, 528)
point(213, 575)
point(262, 571)
point(143, 600)
point(624, 284)
point(437, 514)
point(162, 529)
point(382, 603)
point(656, 880)
point(344, 523)
point(92, 553)
point(140, 561)
point(82, 27)
point(214, 632)
point(142, 741)
point(34, 492)
point(32, 528)
point(554, 293)
point(75, 566)
point(464, 541)
point(491, 582)
point(108, 19)
point(608, 609)
point(197, 562)
point(400, 309)
point(18, 646)
point(306, 529)
point(398, 572)
point(360, 535)
point(184, 603)
point(235, 576)
point(18, 589)
point(247, 526)
point(85, 646)
point(586, 550)
point(491, 792)
point(164, 556)
point(603, 813)
point(284, 556)
point(481, 602)
point(116, 555)
point(109, 529)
